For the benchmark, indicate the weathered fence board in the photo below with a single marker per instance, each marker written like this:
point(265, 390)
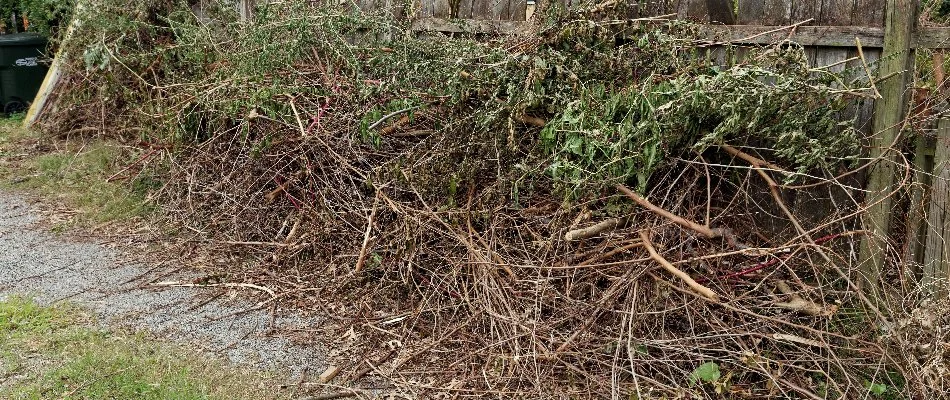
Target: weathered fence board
point(889, 112)
point(936, 260)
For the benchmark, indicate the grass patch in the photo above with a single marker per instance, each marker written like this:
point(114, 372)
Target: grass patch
point(47, 352)
point(74, 173)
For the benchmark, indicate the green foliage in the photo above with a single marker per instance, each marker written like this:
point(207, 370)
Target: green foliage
point(20, 317)
point(44, 16)
point(622, 126)
point(942, 9)
point(706, 373)
point(621, 101)
point(877, 389)
point(49, 354)
point(78, 174)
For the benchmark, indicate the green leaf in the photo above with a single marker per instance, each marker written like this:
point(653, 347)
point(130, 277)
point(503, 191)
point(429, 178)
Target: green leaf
point(707, 372)
point(877, 389)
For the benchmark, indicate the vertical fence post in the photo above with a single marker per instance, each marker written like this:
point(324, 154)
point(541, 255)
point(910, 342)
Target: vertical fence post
point(889, 111)
point(920, 201)
point(245, 9)
point(936, 263)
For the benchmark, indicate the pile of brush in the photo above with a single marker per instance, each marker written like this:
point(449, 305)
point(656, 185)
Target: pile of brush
point(592, 210)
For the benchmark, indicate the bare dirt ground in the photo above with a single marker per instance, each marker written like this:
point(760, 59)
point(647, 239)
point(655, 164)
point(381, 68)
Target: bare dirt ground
point(53, 268)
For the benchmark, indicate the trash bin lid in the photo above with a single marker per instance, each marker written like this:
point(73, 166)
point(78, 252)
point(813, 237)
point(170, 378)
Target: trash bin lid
point(22, 39)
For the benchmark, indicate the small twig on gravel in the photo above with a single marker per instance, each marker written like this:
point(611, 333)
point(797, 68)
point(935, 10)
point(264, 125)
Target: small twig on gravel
point(206, 301)
point(370, 366)
point(237, 243)
point(442, 337)
point(37, 276)
point(230, 285)
point(331, 396)
point(330, 373)
point(235, 342)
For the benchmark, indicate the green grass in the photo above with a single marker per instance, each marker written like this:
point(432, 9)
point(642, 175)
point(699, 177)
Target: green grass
point(50, 352)
point(75, 173)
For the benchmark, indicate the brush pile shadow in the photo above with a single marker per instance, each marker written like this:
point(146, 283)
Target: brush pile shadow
point(594, 209)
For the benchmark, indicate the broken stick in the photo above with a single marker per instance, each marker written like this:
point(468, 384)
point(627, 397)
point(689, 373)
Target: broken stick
point(753, 160)
point(801, 305)
point(594, 230)
point(709, 233)
point(366, 235)
point(705, 291)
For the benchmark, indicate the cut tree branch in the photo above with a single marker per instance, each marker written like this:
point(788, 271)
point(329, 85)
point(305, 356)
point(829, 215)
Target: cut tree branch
point(753, 160)
point(798, 303)
point(709, 233)
point(594, 230)
point(366, 236)
point(705, 291)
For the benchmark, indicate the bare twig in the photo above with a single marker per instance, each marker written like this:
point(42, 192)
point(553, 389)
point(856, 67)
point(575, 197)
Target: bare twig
point(705, 291)
point(701, 229)
point(798, 303)
point(611, 253)
point(332, 396)
point(366, 235)
point(594, 230)
point(710, 233)
point(228, 285)
point(386, 117)
point(867, 69)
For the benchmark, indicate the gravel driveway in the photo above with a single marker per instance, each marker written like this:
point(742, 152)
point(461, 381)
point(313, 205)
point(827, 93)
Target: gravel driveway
point(51, 268)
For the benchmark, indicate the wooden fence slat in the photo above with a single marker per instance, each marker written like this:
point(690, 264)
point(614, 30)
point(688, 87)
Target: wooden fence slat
point(888, 114)
point(803, 10)
point(518, 10)
point(932, 38)
point(245, 9)
point(777, 12)
point(720, 11)
point(751, 12)
point(499, 9)
point(461, 9)
point(468, 26)
point(917, 226)
point(868, 12)
point(842, 36)
point(834, 13)
point(936, 263)
point(696, 11)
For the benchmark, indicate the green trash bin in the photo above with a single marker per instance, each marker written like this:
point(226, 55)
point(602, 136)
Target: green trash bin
point(23, 66)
